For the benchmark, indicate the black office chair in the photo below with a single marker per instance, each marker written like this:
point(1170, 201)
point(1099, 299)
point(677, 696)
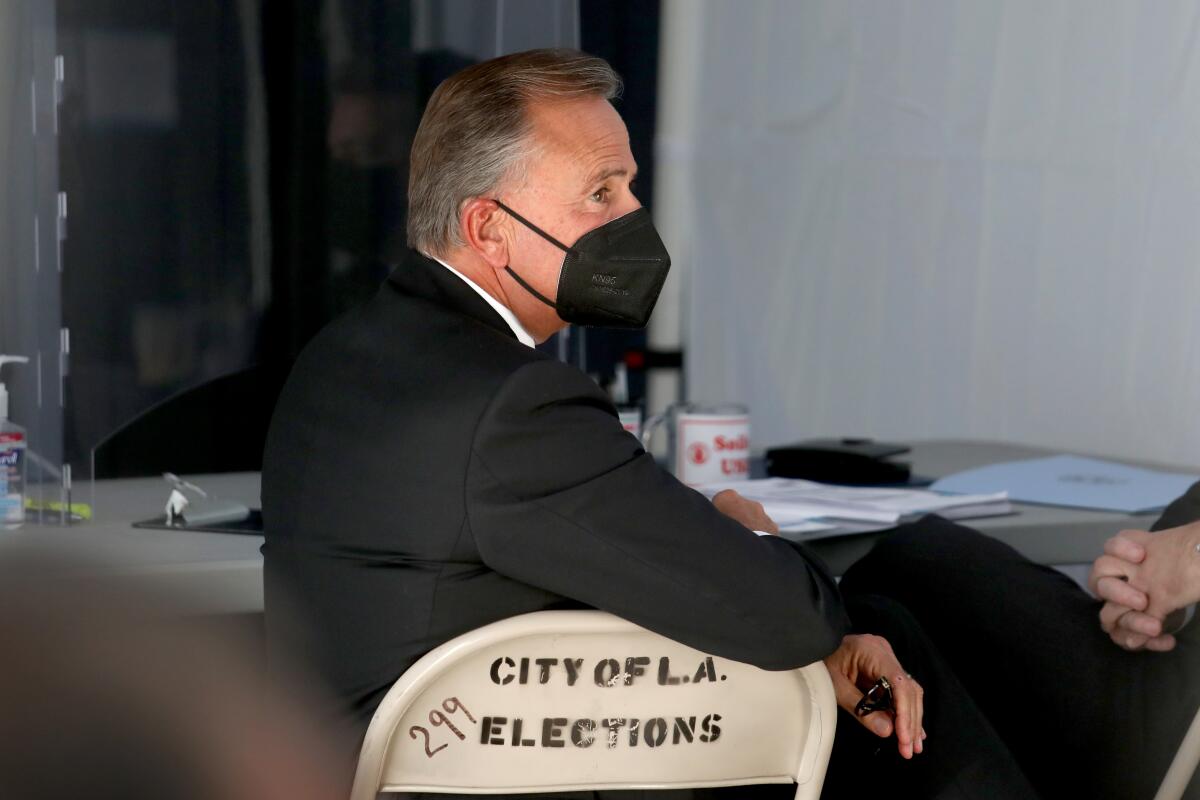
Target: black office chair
point(218, 426)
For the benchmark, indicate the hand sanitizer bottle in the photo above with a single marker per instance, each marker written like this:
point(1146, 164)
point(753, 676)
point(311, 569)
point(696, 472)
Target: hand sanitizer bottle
point(13, 442)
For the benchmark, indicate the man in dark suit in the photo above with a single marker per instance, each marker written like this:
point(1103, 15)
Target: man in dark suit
point(428, 471)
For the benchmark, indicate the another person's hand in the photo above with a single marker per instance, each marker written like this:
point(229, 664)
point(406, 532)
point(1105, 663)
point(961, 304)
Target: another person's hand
point(855, 666)
point(1142, 577)
point(747, 512)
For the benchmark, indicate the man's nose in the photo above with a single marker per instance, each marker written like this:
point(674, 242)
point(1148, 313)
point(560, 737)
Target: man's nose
point(628, 203)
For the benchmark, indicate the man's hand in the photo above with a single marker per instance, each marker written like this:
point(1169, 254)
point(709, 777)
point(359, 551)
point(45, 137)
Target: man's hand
point(747, 512)
point(1142, 577)
point(855, 666)
point(1123, 615)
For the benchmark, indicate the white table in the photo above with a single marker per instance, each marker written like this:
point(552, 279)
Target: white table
point(222, 573)
point(214, 572)
point(1048, 535)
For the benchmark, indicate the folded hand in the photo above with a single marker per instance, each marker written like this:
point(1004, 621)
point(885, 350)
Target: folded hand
point(1142, 577)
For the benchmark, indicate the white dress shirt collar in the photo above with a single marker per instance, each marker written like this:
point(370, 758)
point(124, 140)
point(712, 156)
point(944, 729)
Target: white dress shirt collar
point(505, 313)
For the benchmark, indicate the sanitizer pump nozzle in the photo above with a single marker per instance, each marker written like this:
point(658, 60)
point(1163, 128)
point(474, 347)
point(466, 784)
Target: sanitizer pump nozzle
point(13, 445)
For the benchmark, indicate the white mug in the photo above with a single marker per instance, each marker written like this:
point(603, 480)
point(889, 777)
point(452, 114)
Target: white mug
point(705, 445)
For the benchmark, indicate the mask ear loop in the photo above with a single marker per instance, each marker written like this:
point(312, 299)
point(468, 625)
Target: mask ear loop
point(540, 233)
point(530, 289)
point(532, 227)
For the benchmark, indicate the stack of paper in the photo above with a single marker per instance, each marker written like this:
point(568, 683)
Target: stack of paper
point(1074, 482)
point(806, 507)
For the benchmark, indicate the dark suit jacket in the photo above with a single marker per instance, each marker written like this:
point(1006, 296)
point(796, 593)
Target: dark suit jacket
point(1185, 509)
point(425, 473)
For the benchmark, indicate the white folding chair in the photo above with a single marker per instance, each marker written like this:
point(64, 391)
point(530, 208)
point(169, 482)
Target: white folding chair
point(1179, 774)
point(583, 700)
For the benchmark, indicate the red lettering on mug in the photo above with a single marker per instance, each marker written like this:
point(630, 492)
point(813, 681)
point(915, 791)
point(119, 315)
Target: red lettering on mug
point(740, 443)
point(735, 466)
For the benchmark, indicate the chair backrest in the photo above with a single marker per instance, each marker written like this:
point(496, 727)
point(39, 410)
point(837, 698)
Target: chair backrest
point(583, 700)
point(217, 426)
point(1183, 766)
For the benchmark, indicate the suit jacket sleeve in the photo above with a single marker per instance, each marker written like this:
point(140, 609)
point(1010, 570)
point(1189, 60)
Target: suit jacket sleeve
point(561, 497)
point(1183, 510)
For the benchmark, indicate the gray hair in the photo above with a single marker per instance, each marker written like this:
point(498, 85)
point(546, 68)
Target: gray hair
point(475, 133)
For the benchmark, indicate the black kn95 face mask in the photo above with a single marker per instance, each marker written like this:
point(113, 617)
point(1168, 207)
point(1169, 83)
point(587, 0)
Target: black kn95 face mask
point(611, 277)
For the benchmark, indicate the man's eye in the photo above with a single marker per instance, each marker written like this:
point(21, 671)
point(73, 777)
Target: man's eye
point(600, 195)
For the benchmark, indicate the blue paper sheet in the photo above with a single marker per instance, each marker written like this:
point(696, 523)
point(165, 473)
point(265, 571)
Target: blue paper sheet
point(1074, 482)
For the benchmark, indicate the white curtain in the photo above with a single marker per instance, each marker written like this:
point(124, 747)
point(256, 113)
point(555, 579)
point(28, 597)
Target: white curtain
point(946, 219)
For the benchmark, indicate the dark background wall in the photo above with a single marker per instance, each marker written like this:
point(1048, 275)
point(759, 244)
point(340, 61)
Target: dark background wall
point(237, 173)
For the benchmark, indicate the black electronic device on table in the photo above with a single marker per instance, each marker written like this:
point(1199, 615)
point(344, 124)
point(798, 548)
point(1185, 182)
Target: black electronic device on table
point(849, 461)
point(250, 525)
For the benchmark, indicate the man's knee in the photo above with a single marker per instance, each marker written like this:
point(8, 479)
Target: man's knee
point(928, 549)
point(931, 533)
point(934, 540)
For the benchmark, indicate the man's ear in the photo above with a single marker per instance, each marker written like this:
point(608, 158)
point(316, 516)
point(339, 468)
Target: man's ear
point(486, 230)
